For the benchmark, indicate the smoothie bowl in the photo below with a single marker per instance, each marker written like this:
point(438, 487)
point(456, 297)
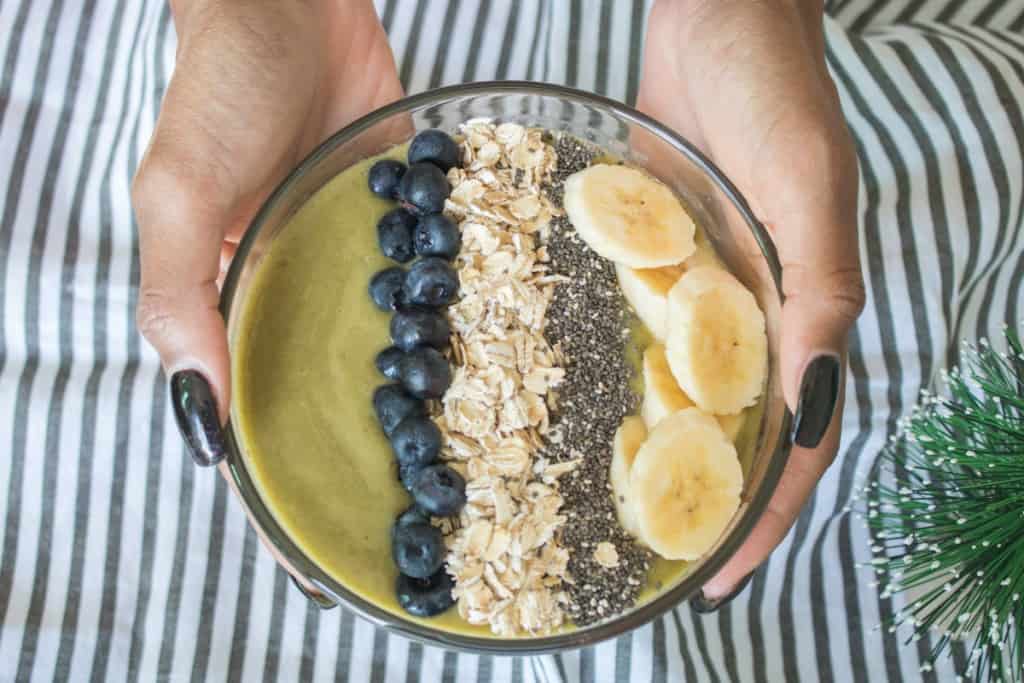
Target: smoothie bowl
point(504, 364)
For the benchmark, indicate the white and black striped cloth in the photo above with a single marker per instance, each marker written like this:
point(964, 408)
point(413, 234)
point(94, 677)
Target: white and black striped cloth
point(120, 561)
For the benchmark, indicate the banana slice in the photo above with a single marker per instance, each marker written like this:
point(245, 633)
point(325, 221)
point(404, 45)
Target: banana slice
point(716, 343)
point(628, 437)
point(646, 290)
point(662, 395)
point(703, 255)
point(628, 217)
point(685, 485)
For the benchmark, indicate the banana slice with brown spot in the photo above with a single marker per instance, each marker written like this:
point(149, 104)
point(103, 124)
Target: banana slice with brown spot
point(628, 217)
point(663, 396)
point(684, 485)
point(716, 344)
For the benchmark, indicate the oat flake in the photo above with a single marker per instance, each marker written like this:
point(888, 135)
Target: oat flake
point(606, 555)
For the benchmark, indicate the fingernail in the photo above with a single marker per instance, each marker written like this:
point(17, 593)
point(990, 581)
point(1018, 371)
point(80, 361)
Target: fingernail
point(702, 605)
point(819, 390)
point(195, 409)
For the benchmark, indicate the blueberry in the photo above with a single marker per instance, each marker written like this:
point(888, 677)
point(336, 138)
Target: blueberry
point(436, 147)
point(386, 288)
point(388, 362)
point(416, 441)
point(425, 597)
point(416, 326)
point(436, 235)
point(393, 404)
point(394, 235)
point(407, 474)
point(417, 549)
point(385, 176)
point(440, 490)
point(424, 372)
point(423, 189)
point(413, 514)
point(431, 282)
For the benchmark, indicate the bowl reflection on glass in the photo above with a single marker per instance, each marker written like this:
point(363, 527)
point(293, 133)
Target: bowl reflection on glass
point(718, 207)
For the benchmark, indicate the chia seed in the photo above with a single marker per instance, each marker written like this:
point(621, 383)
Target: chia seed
point(589, 318)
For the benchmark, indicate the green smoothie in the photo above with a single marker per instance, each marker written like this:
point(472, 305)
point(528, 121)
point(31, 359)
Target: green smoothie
point(303, 377)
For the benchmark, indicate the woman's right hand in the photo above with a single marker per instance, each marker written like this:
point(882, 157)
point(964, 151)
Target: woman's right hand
point(256, 86)
point(748, 83)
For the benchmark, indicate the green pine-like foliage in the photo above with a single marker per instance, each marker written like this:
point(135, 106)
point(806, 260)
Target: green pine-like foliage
point(945, 508)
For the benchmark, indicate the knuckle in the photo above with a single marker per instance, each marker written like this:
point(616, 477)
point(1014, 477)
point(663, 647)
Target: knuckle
point(828, 154)
point(169, 190)
point(162, 181)
point(144, 186)
point(850, 298)
point(845, 293)
point(153, 315)
point(821, 174)
point(158, 184)
point(840, 289)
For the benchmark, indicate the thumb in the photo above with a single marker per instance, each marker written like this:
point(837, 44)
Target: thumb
point(815, 232)
point(182, 213)
point(224, 133)
point(812, 218)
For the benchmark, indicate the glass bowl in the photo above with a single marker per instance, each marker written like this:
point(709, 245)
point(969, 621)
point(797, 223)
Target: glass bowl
point(741, 241)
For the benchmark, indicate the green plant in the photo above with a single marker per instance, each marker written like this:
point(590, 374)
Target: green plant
point(945, 508)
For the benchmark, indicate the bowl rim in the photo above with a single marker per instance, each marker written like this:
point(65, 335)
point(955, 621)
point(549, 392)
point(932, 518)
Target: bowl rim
point(691, 583)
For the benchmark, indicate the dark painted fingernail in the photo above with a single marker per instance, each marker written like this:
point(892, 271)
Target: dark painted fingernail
point(819, 390)
point(195, 409)
point(702, 605)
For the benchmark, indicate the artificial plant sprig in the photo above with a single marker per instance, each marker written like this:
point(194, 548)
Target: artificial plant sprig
point(945, 508)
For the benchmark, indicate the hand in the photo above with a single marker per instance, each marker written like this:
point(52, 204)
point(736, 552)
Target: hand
point(748, 84)
point(256, 86)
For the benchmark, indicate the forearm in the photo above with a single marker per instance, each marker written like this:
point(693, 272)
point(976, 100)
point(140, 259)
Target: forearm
point(343, 20)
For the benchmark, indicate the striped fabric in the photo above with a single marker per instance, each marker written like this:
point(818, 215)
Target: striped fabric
point(120, 561)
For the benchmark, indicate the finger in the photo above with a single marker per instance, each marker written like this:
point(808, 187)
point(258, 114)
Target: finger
point(803, 470)
point(179, 242)
point(809, 206)
point(225, 133)
point(815, 232)
point(184, 196)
